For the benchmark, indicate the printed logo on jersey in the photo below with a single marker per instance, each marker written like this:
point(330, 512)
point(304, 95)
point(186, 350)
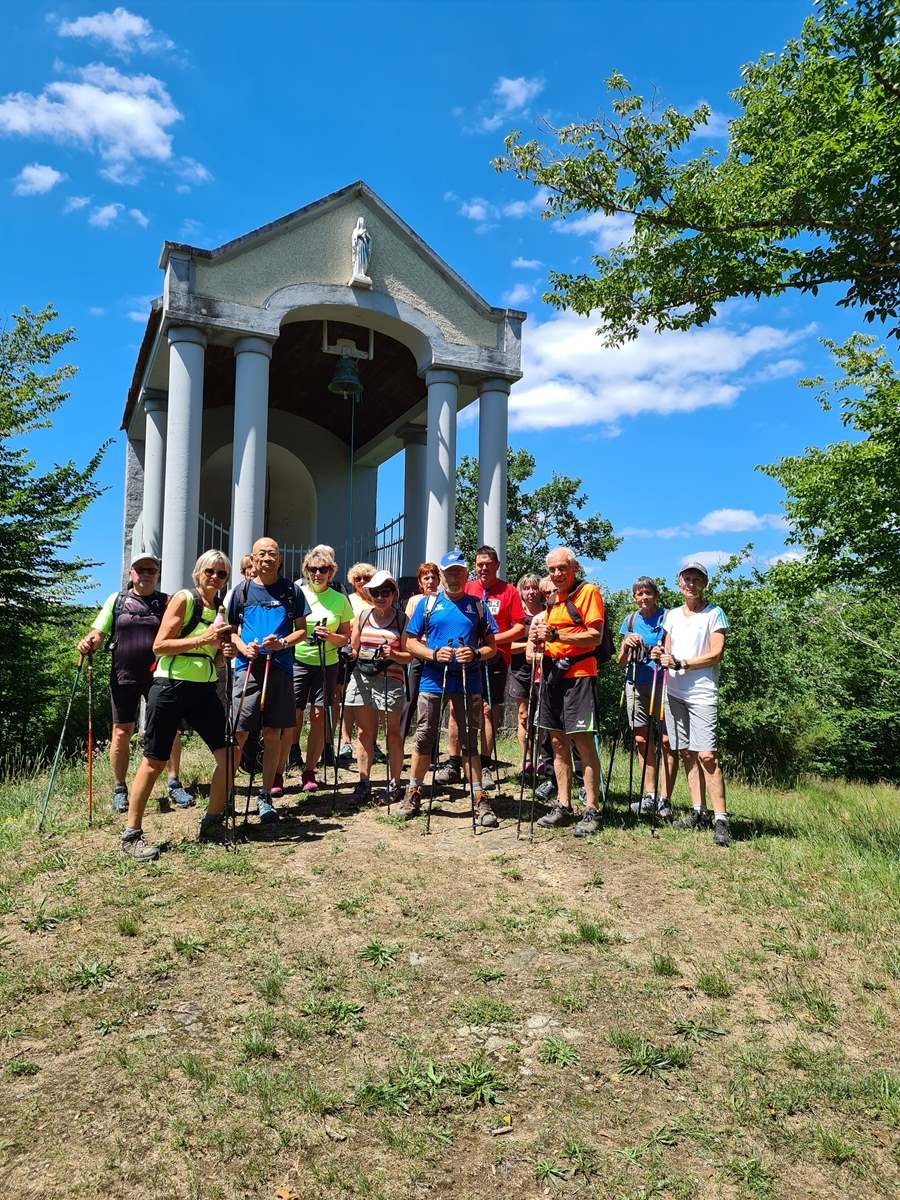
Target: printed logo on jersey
point(494, 605)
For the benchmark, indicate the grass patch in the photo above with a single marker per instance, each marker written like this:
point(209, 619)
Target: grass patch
point(558, 1052)
point(590, 933)
point(665, 965)
point(485, 1010)
point(379, 954)
point(715, 984)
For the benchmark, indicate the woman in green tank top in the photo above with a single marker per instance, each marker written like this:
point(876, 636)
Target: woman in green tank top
point(184, 689)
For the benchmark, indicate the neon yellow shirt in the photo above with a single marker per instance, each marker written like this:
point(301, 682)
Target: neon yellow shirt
point(334, 608)
point(196, 665)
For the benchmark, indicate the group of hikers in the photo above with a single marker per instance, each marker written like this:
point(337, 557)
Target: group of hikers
point(257, 658)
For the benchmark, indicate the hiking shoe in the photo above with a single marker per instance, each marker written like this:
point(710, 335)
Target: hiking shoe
point(545, 791)
point(120, 798)
point(136, 847)
point(179, 796)
point(484, 814)
point(277, 788)
point(212, 828)
point(265, 809)
point(392, 794)
point(449, 773)
point(559, 814)
point(345, 755)
point(380, 756)
point(411, 804)
point(589, 823)
point(644, 806)
point(697, 818)
point(488, 782)
point(310, 783)
point(362, 793)
point(722, 832)
point(664, 809)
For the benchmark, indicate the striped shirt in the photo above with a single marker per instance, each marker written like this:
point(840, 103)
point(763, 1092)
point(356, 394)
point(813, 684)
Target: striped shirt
point(373, 637)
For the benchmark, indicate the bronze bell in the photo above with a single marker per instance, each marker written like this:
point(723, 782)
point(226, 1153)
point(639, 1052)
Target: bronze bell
point(346, 379)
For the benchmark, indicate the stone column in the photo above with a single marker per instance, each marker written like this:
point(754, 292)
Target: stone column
point(415, 497)
point(493, 422)
point(184, 435)
point(251, 440)
point(155, 405)
point(440, 461)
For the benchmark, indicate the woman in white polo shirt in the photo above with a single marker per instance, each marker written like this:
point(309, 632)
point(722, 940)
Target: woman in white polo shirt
point(692, 650)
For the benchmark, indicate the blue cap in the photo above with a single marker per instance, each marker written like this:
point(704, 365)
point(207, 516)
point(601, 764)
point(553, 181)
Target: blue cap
point(453, 558)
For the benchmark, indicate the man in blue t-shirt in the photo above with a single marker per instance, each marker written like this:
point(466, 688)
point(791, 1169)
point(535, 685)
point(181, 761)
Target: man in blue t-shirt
point(450, 632)
point(641, 631)
point(268, 614)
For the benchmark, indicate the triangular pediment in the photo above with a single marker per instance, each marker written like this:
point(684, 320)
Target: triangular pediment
point(312, 246)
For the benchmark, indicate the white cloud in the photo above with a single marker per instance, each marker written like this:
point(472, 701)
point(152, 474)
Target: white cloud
point(104, 216)
point(526, 264)
point(190, 228)
point(124, 118)
point(715, 127)
point(192, 172)
point(95, 311)
point(519, 293)
point(709, 558)
point(477, 209)
point(73, 203)
point(605, 231)
point(720, 520)
point(120, 30)
point(139, 308)
point(783, 368)
point(509, 97)
point(138, 217)
point(787, 556)
point(514, 94)
point(36, 180)
point(572, 379)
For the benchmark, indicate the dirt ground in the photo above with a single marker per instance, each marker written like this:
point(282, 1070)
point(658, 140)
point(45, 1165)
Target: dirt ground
point(350, 1008)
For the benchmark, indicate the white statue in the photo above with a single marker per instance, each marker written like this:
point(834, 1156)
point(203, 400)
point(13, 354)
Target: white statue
point(360, 253)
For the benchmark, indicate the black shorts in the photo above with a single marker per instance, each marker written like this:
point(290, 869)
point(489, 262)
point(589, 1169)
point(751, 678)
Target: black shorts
point(125, 698)
point(173, 700)
point(518, 686)
point(494, 670)
point(279, 712)
point(308, 685)
point(567, 705)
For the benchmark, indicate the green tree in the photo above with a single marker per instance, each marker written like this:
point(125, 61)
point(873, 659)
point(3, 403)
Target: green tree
point(806, 194)
point(39, 514)
point(843, 501)
point(535, 520)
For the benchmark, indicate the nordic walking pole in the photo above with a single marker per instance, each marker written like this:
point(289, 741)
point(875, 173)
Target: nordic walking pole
point(349, 669)
point(387, 766)
point(437, 748)
point(631, 737)
point(468, 728)
point(229, 735)
point(259, 734)
point(529, 734)
point(328, 722)
point(540, 698)
point(90, 739)
point(62, 738)
point(657, 748)
point(486, 668)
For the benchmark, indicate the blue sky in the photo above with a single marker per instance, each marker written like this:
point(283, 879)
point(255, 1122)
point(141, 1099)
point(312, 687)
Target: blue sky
point(198, 122)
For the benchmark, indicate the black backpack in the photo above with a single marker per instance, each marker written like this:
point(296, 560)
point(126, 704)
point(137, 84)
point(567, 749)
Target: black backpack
point(286, 597)
point(605, 649)
point(156, 603)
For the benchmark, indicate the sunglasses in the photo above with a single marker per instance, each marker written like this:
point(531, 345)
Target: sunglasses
point(318, 570)
point(145, 570)
point(216, 572)
point(380, 593)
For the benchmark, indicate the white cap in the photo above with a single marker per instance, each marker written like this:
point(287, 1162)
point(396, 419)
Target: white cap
point(380, 578)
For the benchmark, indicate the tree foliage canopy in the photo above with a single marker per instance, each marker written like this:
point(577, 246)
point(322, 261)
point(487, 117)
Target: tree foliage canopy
point(843, 501)
point(39, 514)
point(807, 193)
point(536, 521)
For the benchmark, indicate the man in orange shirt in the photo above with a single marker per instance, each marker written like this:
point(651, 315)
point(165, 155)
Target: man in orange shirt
point(567, 636)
